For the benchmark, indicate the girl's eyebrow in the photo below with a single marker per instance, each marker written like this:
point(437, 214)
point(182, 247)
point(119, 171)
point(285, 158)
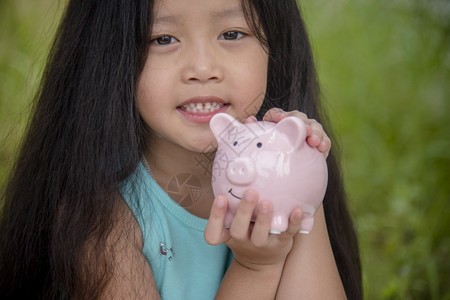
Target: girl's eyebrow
point(233, 12)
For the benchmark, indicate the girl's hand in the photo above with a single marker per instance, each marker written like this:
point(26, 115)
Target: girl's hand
point(315, 135)
point(252, 244)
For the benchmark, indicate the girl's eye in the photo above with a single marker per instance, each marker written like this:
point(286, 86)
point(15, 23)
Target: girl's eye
point(164, 40)
point(232, 35)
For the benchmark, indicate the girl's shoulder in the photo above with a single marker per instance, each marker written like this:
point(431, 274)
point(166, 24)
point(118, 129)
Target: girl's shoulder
point(131, 276)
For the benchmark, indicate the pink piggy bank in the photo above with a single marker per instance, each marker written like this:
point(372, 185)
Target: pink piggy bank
point(274, 160)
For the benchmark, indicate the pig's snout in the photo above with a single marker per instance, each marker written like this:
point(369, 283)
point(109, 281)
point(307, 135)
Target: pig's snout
point(241, 171)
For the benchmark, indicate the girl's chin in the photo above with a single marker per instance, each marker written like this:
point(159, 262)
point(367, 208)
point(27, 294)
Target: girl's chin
point(200, 142)
point(203, 145)
point(203, 142)
point(206, 147)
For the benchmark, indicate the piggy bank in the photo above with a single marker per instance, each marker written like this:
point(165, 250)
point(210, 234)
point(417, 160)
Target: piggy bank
point(273, 159)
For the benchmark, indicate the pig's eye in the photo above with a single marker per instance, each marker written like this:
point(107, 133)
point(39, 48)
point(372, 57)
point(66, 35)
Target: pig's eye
point(235, 143)
point(259, 145)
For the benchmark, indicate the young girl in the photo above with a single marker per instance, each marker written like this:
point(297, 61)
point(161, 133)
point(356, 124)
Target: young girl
point(121, 122)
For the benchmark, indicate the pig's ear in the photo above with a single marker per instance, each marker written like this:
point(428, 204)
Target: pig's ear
point(222, 121)
point(294, 129)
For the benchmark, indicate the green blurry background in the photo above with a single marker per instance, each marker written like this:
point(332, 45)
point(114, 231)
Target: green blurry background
point(384, 70)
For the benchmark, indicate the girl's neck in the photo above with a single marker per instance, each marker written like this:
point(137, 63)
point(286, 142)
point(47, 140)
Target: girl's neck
point(185, 175)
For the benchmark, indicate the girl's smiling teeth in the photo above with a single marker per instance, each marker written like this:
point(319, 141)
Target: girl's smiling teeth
point(207, 107)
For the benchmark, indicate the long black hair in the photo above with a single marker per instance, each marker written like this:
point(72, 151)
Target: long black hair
point(86, 136)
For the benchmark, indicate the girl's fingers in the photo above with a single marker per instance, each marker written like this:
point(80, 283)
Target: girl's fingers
point(240, 225)
point(215, 232)
point(250, 119)
point(295, 221)
point(325, 146)
point(274, 115)
point(316, 134)
point(260, 233)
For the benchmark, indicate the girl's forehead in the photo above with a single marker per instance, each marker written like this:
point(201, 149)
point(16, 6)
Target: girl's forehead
point(175, 10)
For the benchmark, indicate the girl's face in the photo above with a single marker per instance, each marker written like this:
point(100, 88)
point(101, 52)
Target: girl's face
point(203, 59)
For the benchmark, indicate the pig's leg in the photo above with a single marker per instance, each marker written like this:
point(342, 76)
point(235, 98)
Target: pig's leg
point(308, 219)
point(307, 224)
point(279, 224)
point(232, 208)
point(229, 218)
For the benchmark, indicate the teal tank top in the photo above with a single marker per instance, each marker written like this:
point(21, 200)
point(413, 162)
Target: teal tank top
point(183, 264)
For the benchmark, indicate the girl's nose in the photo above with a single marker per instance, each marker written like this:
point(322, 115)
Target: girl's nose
point(201, 64)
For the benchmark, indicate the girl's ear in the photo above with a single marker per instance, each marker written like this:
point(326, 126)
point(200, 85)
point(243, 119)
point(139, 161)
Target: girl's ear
point(294, 129)
point(223, 122)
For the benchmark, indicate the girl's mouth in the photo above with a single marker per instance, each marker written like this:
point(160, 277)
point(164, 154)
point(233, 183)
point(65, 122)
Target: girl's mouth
point(202, 108)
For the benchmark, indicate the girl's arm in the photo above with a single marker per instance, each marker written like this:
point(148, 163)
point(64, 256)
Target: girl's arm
point(310, 270)
point(132, 277)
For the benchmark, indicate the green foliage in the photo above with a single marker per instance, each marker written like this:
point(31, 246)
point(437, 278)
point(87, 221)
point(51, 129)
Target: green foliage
point(384, 70)
point(26, 28)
